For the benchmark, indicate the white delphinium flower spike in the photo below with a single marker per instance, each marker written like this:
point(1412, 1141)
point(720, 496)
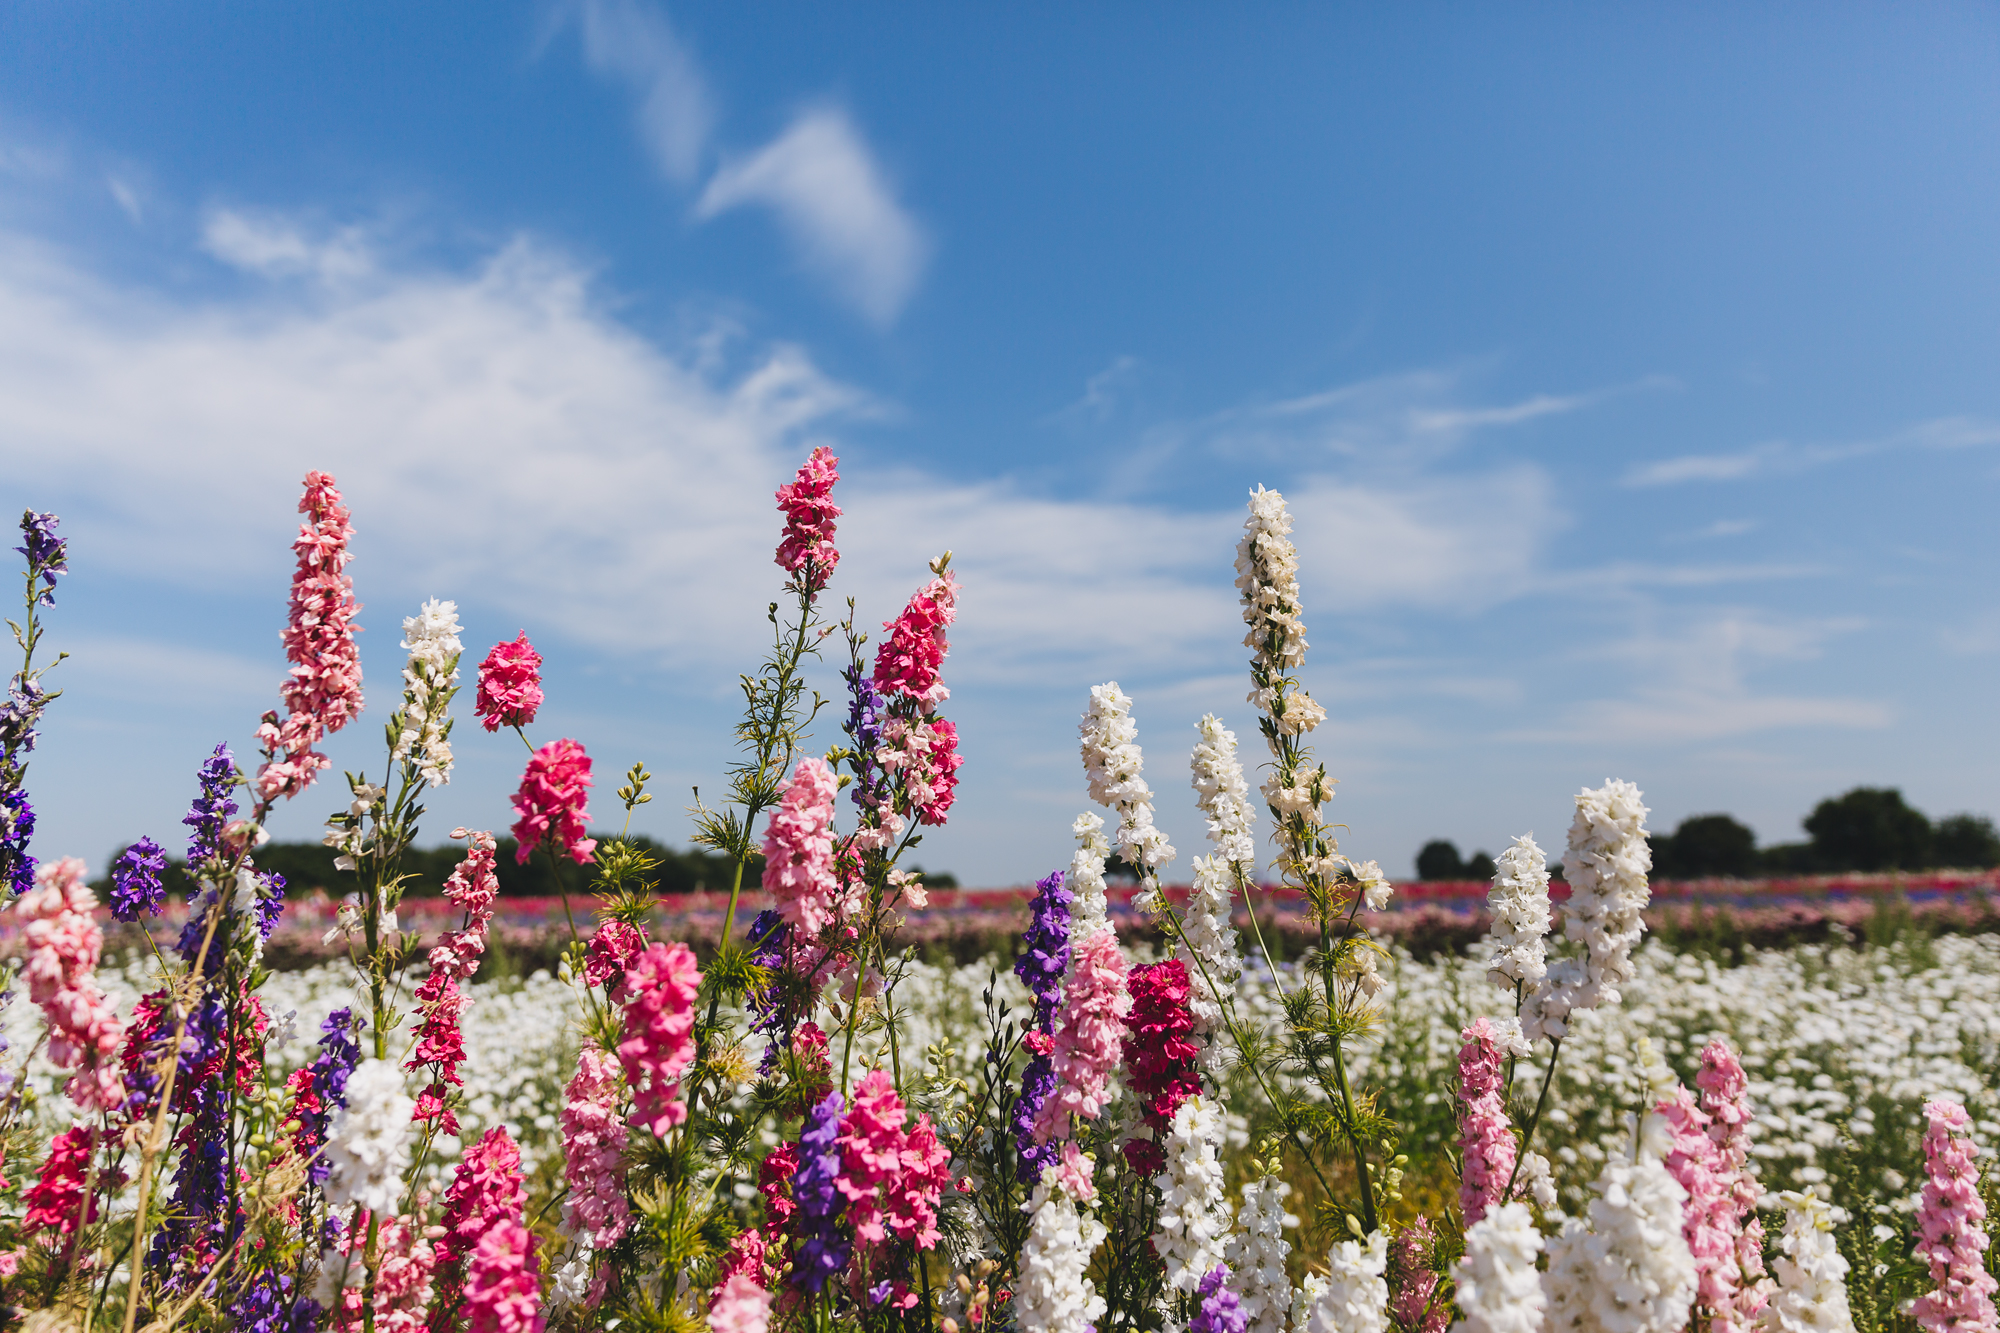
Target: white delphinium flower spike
point(1628, 1269)
point(429, 678)
point(1256, 1255)
point(368, 1143)
point(1499, 1290)
point(1223, 795)
point(1194, 1211)
point(1356, 1296)
point(1213, 957)
point(1519, 901)
point(1606, 867)
point(1812, 1275)
point(1086, 876)
point(1112, 762)
point(1052, 1294)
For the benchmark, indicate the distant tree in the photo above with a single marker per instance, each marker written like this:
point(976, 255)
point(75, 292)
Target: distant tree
point(1439, 860)
point(1479, 866)
point(1705, 845)
point(1870, 828)
point(1789, 858)
point(1966, 842)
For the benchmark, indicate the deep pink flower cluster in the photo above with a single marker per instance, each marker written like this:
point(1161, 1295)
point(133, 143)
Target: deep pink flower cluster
point(908, 661)
point(486, 1255)
point(1951, 1235)
point(473, 886)
point(594, 1152)
point(1090, 1031)
point(611, 951)
point(925, 752)
point(323, 691)
point(1485, 1140)
point(551, 801)
point(798, 850)
point(807, 552)
point(56, 1199)
point(747, 1253)
point(1160, 1054)
point(660, 989)
point(63, 944)
point(406, 1262)
point(1725, 1100)
point(510, 685)
point(892, 1179)
point(1413, 1303)
point(1708, 1219)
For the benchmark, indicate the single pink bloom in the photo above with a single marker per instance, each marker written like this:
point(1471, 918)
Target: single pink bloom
point(807, 551)
point(914, 648)
point(510, 685)
point(661, 986)
point(1951, 1231)
point(594, 1152)
point(741, 1305)
point(323, 691)
point(1090, 1038)
point(1485, 1140)
point(798, 850)
point(551, 802)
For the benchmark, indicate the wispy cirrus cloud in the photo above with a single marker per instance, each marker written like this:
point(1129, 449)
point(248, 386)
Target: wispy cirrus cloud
point(636, 45)
point(1782, 457)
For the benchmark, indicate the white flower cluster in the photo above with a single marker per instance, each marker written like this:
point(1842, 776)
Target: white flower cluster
point(1812, 1276)
point(1223, 795)
point(1519, 901)
point(1499, 1290)
point(1052, 1294)
point(368, 1144)
point(1267, 576)
point(1256, 1255)
point(1355, 1298)
point(1606, 867)
point(1112, 763)
point(1375, 887)
point(1628, 1270)
point(431, 639)
point(1086, 876)
point(1210, 950)
point(1194, 1211)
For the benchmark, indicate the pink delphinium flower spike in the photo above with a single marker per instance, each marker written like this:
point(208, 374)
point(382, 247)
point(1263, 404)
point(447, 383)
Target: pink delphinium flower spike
point(485, 1257)
point(913, 648)
point(63, 944)
point(807, 551)
point(1708, 1218)
point(798, 849)
point(403, 1287)
point(594, 1152)
point(1413, 1302)
point(740, 1306)
point(323, 692)
point(660, 988)
point(1090, 1035)
point(510, 685)
point(472, 886)
point(1485, 1140)
point(1725, 1100)
point(550, 803)
point(1951, 1235)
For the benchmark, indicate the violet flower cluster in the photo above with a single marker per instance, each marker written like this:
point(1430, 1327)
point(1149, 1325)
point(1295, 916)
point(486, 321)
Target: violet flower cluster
point(1044, 958)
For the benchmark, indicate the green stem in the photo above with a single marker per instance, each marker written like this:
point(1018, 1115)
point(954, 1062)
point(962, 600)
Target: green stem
point(1541, 1100)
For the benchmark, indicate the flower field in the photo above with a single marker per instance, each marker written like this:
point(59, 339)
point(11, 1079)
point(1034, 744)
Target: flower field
point(1287, 1096)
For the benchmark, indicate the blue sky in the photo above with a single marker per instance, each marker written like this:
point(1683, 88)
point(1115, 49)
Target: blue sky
point(1630, 371)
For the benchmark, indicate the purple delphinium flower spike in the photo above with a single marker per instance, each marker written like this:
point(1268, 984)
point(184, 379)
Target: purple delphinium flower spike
point(1043, 961)
point(135, 881)
point(825, 1250)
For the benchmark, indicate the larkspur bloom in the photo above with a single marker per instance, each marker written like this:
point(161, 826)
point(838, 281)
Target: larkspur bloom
point(807, 552)
point(1267, 577)
point(270, 1302)
point(135, 881)
point(47, 554)
point(1209, 950)
point(1519, 902)
point(1628, 1268)
point(56, 1199)
point(594, 1152)
point(660, 991)
point(403, 1287)
point(1044, 957)
point(1112, 763)
point(611, 951)
point(741, 1306)
point(1709, 1222)
point(430, 677)
point(550, 803)
point(472, 887)
point(1951, 1235)
point(485, 1190)
point(1485, 1138)
point(1811, 1295)
point(891, 1179)
point(1355, 1298)
point(1194, 1213)
point(1086, 874)
point(1052, 1295)
point(1725, 1104)
point(913, 647)
point(1606, 867)
point(510, 685)
point(1223, 795)
point(1498, 1289)
point(63, 944)
point(368, 1142)
point(1087, 1043)
point(924, 753)
point(1413, 1287)
point(323, 692)
point(1221, 1309)
point(798, 849)
point(1257, 1252)
point(1159, 1054)
point(824, 1245)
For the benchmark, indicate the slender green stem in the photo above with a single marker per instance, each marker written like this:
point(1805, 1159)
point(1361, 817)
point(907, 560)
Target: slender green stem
point(1541, 1100)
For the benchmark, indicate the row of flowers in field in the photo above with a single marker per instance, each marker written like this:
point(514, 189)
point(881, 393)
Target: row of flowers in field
point(780, 1132)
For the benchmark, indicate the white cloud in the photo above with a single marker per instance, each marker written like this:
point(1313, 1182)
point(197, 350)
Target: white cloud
point(636, 45)
point(1780, 457)
point(279, 247)
point(834, 200)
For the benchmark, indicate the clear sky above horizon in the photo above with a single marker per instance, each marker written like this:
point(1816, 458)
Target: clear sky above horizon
point(1630, 373)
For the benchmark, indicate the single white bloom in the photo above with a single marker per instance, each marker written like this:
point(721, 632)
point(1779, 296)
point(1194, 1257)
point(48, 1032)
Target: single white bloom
point(1499, 1290)
point(368, 1143)
point(1374, 885)
point(1256, 1255)
point(1356, 1296)
point(1812, 1276)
